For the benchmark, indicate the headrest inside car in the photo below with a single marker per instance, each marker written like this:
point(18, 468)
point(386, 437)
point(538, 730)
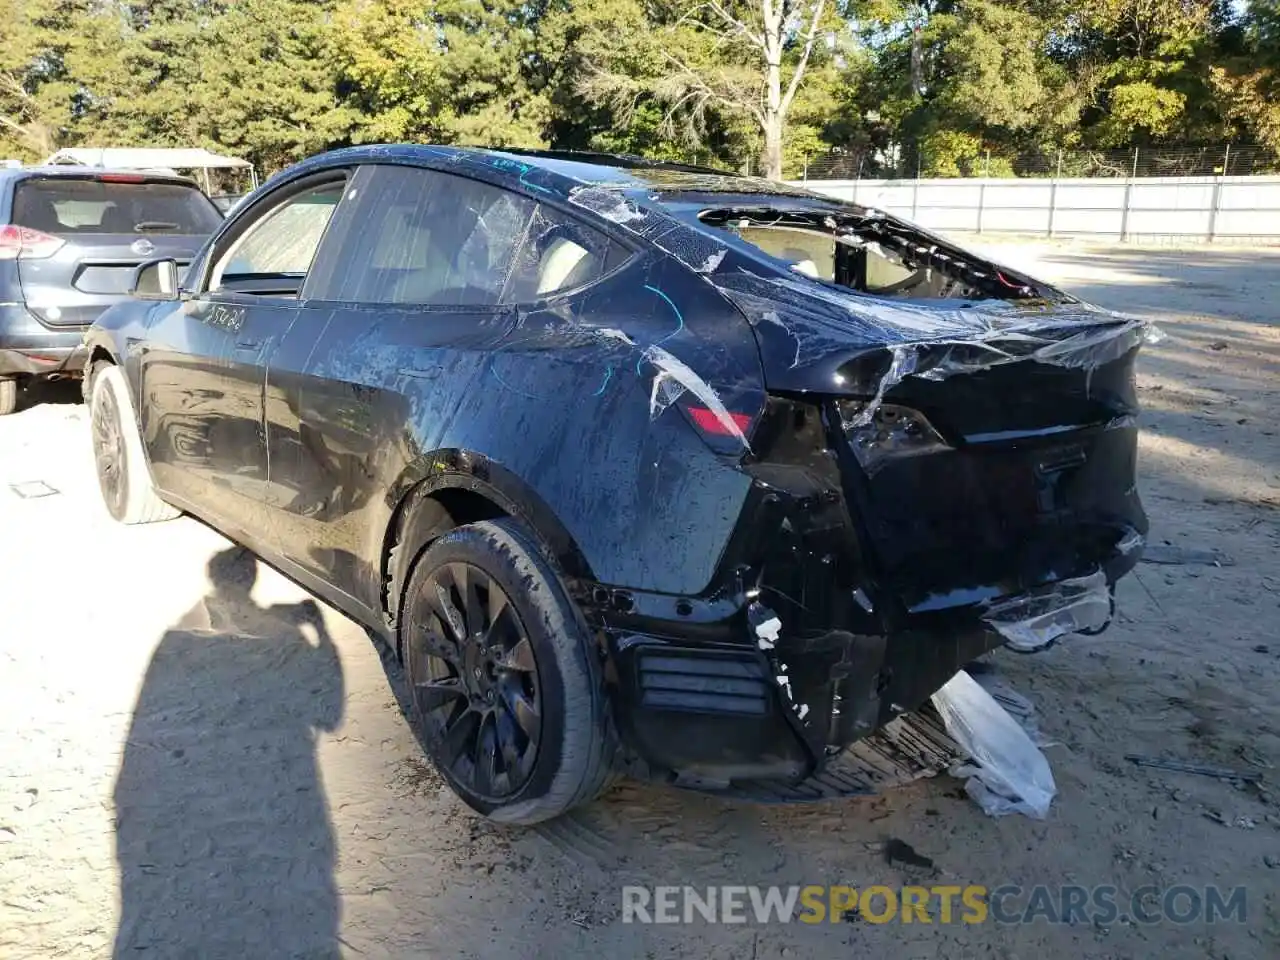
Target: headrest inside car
point(558, 263)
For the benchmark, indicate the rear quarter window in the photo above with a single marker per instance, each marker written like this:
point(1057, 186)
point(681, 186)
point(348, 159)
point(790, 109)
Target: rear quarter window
point(559, 253)
point(75, 206)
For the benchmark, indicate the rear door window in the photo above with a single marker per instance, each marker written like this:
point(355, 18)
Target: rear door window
point(421, 237)
point(68, 206)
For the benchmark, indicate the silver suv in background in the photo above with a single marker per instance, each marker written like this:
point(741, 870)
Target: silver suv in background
point(70, 241)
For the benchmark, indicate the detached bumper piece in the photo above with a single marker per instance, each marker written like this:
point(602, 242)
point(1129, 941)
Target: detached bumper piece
point(1034, 621)
point(909, 748)
point(722, 682)
point(807, 720)
point(705, 715)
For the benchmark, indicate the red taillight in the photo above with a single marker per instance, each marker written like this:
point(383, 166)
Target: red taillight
point(23, 242)
point(708, 421)
point(120, 178)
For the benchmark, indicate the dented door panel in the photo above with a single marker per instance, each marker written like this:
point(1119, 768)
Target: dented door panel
point(361, 395)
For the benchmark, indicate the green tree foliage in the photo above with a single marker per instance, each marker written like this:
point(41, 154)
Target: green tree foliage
point(715, 64)
point(277, 100)
point(1247, 80)
point(939, 86)
point(447, 71)
point(38, 87)
point(983, 78)
point(606, 63)
point(1147, 63)
point(251, 76)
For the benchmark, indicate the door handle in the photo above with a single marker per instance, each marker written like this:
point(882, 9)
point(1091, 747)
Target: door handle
point(421, 373)
point(248, 344)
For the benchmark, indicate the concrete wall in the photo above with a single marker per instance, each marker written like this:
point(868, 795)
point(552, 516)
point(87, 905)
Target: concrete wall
point(1215, 209)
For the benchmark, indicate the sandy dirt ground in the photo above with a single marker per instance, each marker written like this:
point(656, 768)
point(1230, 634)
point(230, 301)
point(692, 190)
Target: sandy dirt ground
point(197, 772)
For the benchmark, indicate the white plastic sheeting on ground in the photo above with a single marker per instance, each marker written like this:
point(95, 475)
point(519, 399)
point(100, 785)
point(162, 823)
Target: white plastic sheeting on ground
point(1006, 772)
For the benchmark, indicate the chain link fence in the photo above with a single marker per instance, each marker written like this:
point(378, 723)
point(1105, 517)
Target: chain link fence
point(906, 162)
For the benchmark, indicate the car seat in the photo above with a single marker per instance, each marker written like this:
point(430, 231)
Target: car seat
point(116, 220)
point(561, 265)
point(801, 262)
point(38, 213)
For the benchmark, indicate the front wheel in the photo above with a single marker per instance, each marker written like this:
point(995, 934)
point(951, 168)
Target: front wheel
point(123, 475)
point(504, 681)
point(8, 396)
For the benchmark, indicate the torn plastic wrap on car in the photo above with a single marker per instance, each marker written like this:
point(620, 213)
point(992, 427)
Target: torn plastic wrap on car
point(1032, 621)
point(811, 322)
point(698, 251)
point(671, 379)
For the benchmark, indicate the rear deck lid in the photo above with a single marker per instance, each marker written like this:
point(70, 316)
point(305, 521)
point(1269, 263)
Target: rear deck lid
point(849, 301)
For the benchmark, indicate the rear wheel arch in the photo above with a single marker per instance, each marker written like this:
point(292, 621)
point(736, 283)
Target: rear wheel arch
point(458, 489)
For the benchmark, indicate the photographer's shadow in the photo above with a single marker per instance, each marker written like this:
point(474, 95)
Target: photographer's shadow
point(222, 829)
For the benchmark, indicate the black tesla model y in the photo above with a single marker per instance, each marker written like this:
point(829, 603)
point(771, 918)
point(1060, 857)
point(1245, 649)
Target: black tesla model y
point(641, 468)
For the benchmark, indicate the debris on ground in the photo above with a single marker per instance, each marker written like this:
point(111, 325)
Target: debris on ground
point(899, 851)
point(33, 489)
point(1242, 822)
point(1170, 554)
point(1201, 769)
point(1270, 503)
point(1006, 772)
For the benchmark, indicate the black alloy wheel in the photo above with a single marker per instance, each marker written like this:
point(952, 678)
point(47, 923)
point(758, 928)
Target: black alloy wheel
point(474, 680)
point(109, 451)
point(505, 678)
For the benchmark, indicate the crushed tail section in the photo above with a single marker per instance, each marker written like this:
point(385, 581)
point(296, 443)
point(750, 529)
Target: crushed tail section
point(814, 337)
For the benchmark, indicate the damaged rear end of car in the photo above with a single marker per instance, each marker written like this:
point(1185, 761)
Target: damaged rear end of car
point(945, 464)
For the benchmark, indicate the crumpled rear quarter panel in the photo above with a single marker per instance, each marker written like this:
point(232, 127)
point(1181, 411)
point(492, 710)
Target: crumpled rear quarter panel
point(568, 406)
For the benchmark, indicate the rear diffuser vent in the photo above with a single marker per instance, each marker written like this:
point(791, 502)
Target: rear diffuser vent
point(698, 681)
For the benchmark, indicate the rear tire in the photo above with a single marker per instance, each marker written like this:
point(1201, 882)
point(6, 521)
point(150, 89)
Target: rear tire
point(8, 396)
point(123, 474)
point(504, 680)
